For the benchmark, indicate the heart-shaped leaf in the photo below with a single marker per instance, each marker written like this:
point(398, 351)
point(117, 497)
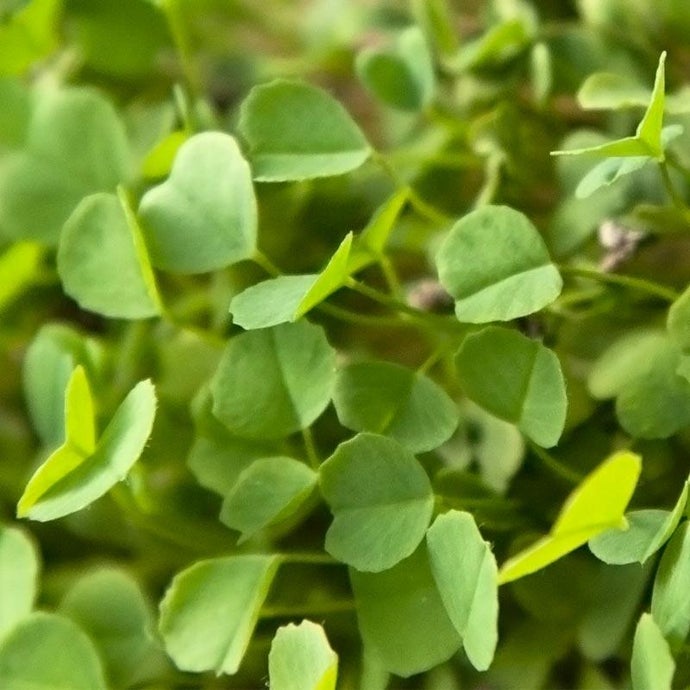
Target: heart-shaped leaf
point(402, 75)
point(49, 651)
point(75, 146)
point(402, 618)
point(221, 597)
point(103, 262)
point(301, 659)
point(19, 565)
point(82, 470)
point(467, 579)
point(596, 505)
point(390, 399)
point(496, 266)
point(381, 501)
point(203, 217)
point(516, 379)
point(268, 491)
point(286, 372)
point(296, 131)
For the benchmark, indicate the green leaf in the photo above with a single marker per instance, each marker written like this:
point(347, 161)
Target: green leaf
point(496, 266)
point(204, 216)
point(466, 575)
point(652, 666)
point(641, 369)
point(498, 44)
point(286, 372)
point(268, 491)
point(648, 531)
point(19, 267)
point(19, 566)
point(301, 659)
point(402, 619)
point(401, 75)
point(670, 604)
point(374, 237)
point(160, 159)
point(678, 321)
point(108, 604)
point(30, 34)
point(597, 504)
point(381, 501)
point(287, 298)
point(607, 172)
point(50, 359)
point(80, 471)
point(386, 398)
point(516, 379)
point(209, 612)
point(75, 146)
point(47, 651)
point(103, 263)
point(612, 91)
point(296, 131)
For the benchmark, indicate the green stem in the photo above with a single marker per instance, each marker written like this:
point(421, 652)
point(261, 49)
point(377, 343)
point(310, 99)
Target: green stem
point(639, 284)
point(362, 319)
point(310, 447)
point(183, 44)
point(670, 187)
point(321, 609)
point(390, 275)
point(556, 467)
point(308, 558)
point(421, 206)
point(262, 260)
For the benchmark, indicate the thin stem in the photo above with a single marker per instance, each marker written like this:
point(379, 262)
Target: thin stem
point(319, 609)
point(308, 558)
point(310, 447)
point(262, 260)
point(390, 275)
point(558, 468)
point(422, 207)
point(639, 284)
point(670, 188)
point(362, 319)
point(183, 44)
point(434, 357)
point(384, 299)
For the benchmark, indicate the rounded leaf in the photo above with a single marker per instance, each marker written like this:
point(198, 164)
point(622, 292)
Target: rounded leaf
point(208, 614)
point(652, 665)
point(496, 266)
point(301, 659)
point(48, 651)
point(381, 500)
point(204, 216)
point(103, 263)
point(274, 381)
point(386, 398)
point(296, 131)
point(516, 379)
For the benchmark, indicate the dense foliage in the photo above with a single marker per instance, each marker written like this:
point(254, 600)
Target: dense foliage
point(344, 343)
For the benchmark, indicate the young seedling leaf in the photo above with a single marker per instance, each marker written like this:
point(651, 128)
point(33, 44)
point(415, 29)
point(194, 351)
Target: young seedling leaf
point(652, 665)
point(81, 470)
point(268, 491)
point(204, 216)
point(103, 263)
point(402, 618)
point(596, 505)
point(288, 298)
point(648, 531)
point(381, 501)
point(607, 172)
point(516, 379)
point(286, 372)
point(159, 160)
point(670, 603)
point(373, 239)
point(301, 659)
point(49, 651)
point(466, 575)
point(296, 131)
point(109, 605)
point(400, 75)
point(612, 91)
point(76, 145)
point(496, 266)
point(209, 612)
point(389, 399)
point(19, 566)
